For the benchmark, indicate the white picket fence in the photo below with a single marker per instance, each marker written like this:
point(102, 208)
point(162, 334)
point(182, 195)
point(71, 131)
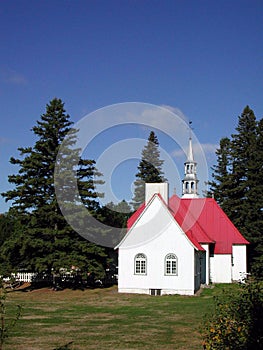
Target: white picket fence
point(21, 276)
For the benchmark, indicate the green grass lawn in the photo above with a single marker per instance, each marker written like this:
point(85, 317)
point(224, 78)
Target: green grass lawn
point(105, 319)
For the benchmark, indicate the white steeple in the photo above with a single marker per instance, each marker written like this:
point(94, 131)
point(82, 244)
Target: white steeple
point(190, 179)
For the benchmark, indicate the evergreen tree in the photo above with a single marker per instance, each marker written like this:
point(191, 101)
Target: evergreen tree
point(116, 215)
point(7, 223)
point(256, 200)
point(46, 241)
point(237, 184)
point(245, 172)
point(245, 213)
point(150, 169)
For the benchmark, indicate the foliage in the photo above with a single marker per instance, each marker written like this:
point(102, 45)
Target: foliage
point(7, 222)
point(6, 325)
point(115, 215)
point(11, 228)
point(237, 185)
point(149, 169)
point(236, 321)
point(42, 239)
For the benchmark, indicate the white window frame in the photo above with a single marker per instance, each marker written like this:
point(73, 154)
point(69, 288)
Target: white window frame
point(171, 265)
point(140, 264)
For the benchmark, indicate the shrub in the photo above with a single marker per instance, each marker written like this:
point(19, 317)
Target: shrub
point(236, 321)
point(6, 324)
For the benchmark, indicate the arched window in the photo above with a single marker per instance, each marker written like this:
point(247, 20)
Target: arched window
point(171, 265)
point(140, 267)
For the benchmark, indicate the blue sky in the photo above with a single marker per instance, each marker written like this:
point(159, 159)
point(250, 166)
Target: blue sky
point(203, 57)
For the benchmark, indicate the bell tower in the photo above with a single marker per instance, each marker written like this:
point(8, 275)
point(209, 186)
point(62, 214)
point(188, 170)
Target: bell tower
point(190, 180)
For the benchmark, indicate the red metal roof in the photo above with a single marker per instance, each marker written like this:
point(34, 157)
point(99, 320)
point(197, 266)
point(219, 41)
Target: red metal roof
point(203, 221)
point(186, 218)
point(209, 223)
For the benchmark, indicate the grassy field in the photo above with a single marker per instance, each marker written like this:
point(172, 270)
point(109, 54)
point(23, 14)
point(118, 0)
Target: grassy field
point(104, 319)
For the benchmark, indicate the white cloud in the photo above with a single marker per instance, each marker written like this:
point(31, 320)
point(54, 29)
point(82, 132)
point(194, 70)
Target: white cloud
point(176, 111)
point(178, 153)
point(12, 77)
point(208, 148)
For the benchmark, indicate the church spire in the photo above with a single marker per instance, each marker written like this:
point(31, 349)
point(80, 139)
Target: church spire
point(190, 180)
point(190, 155)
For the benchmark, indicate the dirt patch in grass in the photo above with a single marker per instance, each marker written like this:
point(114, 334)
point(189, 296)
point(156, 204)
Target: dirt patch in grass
point(101, 316)
point(34, 317)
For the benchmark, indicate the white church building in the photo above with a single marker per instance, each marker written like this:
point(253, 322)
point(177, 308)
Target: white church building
point(173, 245)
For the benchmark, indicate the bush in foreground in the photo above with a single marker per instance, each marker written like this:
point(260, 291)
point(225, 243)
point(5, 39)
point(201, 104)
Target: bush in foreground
point(6, 323)
point(236, 321)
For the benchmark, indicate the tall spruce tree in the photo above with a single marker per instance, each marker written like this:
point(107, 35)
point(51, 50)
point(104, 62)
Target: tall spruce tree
point(44, 240)
point(150, 169)
point(255, 198)
point(246, 180)
point(237, 184)
point(245, 172)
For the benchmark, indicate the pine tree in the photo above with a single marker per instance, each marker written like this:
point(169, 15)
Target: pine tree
point(237, 184)
point(245, 172)
point(150, 169)
point(245, 193)
point(7, 223)
point(46, 241)
point(116, 215)
point(256, 201)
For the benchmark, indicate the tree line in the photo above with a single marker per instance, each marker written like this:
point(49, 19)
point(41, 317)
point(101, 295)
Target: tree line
point(35, 236)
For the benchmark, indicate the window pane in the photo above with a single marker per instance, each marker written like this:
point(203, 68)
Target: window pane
point(140, 264)
point(137, 266)
point(173, 267)
point(143, 267)
point(171, 264)
point(168, 267)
